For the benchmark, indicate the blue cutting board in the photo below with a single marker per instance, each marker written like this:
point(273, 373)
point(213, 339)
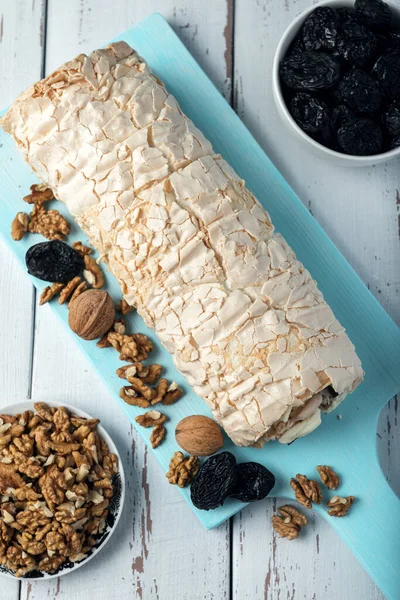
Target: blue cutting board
point(371, 529)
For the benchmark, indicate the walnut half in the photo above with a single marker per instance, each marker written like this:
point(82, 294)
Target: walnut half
point(339, 506)
point(182, 469)
point(306, 490)
point(289, 522)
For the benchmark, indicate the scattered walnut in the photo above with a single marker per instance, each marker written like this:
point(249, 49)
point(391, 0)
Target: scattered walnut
point(77, 291)
point(157, 436)
point(49, 223)
point(19, 226)
point(148, 374)
point(40, 193)
point(166, 393)
point(306, 490)
point(83, 250)
point(69, 289)
point(152, 418)
point(328, 477)
point(132, 348)
point(182, 469)
point(93, 273)
point(119, 326)
point(339, 506)
point(289, 522)
point(49, 292)
point(124, 308)
point(53, 510)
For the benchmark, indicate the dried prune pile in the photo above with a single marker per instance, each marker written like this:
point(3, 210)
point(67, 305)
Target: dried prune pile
point(253, 482)
point(54, 261)
point(220, 477)
point(341, 78)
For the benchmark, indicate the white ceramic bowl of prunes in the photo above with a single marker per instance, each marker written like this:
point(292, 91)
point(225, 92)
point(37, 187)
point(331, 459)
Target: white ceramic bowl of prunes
point(336, 80)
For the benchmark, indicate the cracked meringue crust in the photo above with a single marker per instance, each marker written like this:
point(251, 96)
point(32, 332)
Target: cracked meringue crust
point(192, 248)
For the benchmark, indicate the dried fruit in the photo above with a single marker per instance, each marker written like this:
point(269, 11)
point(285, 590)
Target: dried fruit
point(387, 73)
point(53, 261)
point(214, 482)
point(357, 45)
point(199, 435)
point(391, 118)
point(373, 13)
point(360, 92)
point(91, 314)
point(253, 482)
point(296, 47)
point(320, 30)
point(360, 137)
point(345, 13)
point(310, 71)
point(309, 112)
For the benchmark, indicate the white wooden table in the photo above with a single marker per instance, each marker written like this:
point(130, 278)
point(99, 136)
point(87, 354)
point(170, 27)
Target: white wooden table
point(159, 550)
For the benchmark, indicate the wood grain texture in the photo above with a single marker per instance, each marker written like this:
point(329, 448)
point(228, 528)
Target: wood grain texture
point(20, 26)
point(151, 555)
point(358, 208)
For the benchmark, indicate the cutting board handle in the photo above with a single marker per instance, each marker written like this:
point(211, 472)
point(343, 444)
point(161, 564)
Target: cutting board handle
point(371, 528)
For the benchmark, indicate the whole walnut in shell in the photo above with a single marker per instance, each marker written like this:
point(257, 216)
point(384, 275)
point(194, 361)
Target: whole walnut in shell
point(199, 435)
point(91, 314)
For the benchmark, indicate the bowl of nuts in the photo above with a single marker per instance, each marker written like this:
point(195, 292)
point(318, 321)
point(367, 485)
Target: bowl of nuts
point(336, 80)
point(61, 489)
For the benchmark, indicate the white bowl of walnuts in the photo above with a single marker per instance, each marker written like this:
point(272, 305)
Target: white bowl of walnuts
point(61, 489)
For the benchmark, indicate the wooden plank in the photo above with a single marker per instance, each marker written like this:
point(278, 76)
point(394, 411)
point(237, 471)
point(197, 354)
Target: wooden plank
point(359, 210)
point(159, 549)
point(21, 49)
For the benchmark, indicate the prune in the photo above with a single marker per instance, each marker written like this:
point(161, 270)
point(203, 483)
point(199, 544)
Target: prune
point(387, 72)
point(253, 482)
point(357, 45)
point(214, 482)
point(393, 41)
point(394, 142)
point(359, 92)
point(310, 71)
point(360, 137)
point(54, 261)
point(346, 14)
point(309, 112)
point(373, 13)
point(340, 115)
point(296, 47)
point(391, 118)
point(320, 30)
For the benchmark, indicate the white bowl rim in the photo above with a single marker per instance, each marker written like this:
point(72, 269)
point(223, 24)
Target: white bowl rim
point(19, 407)
point(290, 32)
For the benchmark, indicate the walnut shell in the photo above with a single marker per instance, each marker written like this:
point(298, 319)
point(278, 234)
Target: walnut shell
point(91, 314)
point(199, 435)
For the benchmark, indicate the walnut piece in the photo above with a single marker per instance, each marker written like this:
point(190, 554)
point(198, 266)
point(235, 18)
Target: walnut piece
point(49, 223)
point(148, 374)
point(40, 193)
point(93, 273)
point(124, 308)
point(49, 292)
point(132, 397)
point(152, 418)
point(157, 436)
point(306, 490)
point(82, 287)
point(339, 506)
point(56, 483)
point(328, 477)
point(182, 469)
point(19, 226)
point(83, 250)
point(132, 348)
point(69, 289)
point(289, 522)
